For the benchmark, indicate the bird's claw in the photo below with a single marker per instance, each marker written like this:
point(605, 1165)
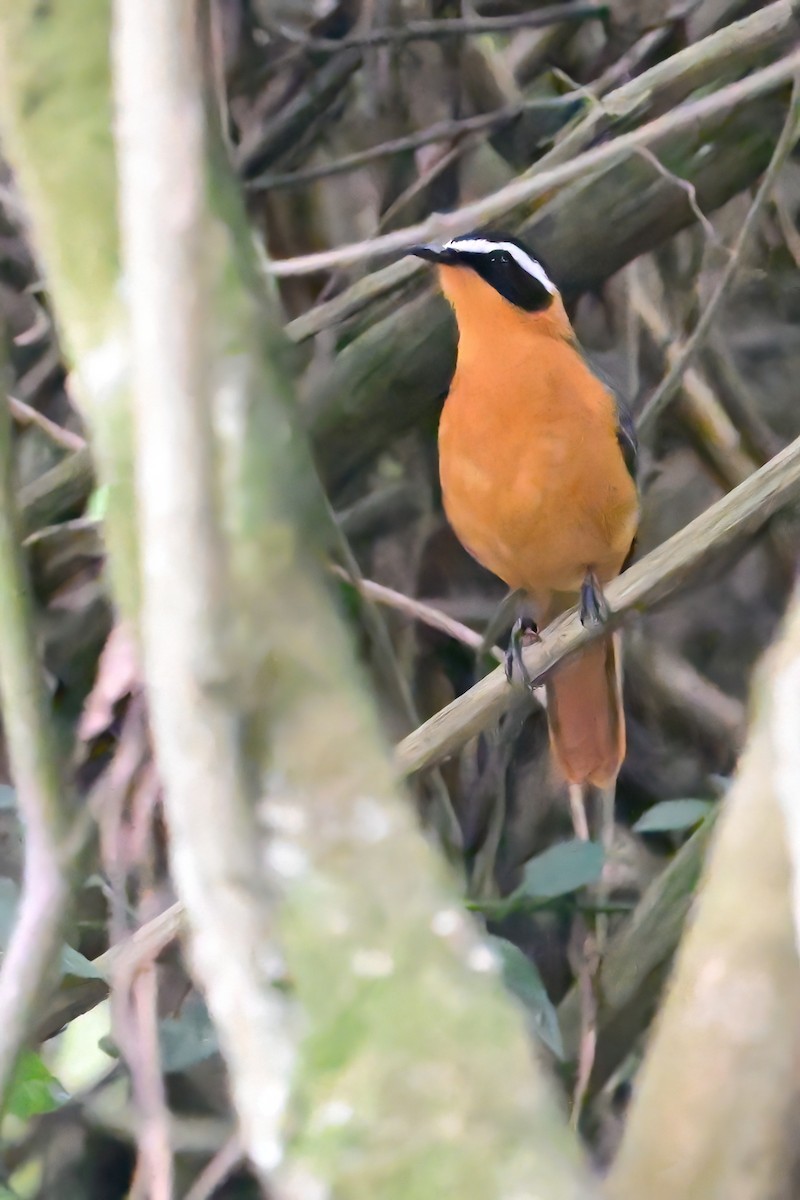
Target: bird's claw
point(524, 633)
point(594, 609)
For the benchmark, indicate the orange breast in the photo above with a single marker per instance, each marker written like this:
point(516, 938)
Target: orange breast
point(533, 480)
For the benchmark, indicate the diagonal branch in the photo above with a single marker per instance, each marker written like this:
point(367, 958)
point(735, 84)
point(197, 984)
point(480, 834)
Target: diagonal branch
point(656, 576)
point(737, 47)
point(440, 132)
point(531, 187)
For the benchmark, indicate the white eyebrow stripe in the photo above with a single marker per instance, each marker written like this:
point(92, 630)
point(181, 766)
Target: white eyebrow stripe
point(484, 246)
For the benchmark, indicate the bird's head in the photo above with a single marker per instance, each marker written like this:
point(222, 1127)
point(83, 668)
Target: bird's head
point(490, 277)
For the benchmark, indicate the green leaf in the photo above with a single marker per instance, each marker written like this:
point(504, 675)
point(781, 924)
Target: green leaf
point(523, 979)
point(672, 815)
point(562, 869)
point(187, 1039)
point(74, 963)
point(34, 1090)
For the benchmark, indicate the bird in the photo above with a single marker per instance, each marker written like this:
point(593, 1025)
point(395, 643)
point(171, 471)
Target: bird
point(537, 463)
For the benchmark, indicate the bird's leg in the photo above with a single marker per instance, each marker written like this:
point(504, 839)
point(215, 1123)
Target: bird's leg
point(500, 620)
point(524, 633)
point(594, 610)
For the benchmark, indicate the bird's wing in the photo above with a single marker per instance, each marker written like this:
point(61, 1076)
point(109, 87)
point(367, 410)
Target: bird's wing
point(626, 427)
point(626, 435)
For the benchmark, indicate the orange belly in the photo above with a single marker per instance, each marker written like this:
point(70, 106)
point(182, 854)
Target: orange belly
point(533, 479)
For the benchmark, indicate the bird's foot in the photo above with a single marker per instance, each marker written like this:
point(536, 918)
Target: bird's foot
point(594, 609)
point(525, 633)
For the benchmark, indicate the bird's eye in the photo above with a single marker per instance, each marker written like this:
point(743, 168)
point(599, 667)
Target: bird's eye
point(504, 257)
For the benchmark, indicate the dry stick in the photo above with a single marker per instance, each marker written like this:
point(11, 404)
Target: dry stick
point(50, 843)
point(669, 386)
point(587, 93)
point(713, 432)
point(419, 611)
point(66, 486)
point(448, 27)
point(125, 957)
point(702, 413)
point(676, 688)
point(737, 399)
point(386, 659)
point(441, 132)
point(790, 235)
point(528, 188)
point(137, 1011)
point(656, 576)
point(217, 1170)
point(25, 414)
point(626, 66)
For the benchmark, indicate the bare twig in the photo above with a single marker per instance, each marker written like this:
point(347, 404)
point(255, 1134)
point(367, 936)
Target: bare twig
point(386, 659)
point(688, 188)
point(681, 693)
point(65, 487)
point(50, 838)
point(214, 1174)
point(669, 385)
point(143, 945)
point(419, 611)
point(737, 399)
point(135, 1002)
point(585, 962)
point(382, 511)
point(441, 132)
point(657, 575)
point(626, 66)
point(25, 414)
point(706, 419)
point(449, 27)
point(530, 187)
point(790, 234)
point(126, 957)
point(714, 434)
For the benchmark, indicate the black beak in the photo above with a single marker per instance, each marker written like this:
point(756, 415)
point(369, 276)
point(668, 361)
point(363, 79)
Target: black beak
point(432, 253)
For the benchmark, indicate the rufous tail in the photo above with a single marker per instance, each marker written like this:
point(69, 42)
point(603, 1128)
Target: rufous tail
point(585, 714)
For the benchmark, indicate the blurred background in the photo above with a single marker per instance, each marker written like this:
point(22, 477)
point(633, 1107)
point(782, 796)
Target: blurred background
point(344, 121)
